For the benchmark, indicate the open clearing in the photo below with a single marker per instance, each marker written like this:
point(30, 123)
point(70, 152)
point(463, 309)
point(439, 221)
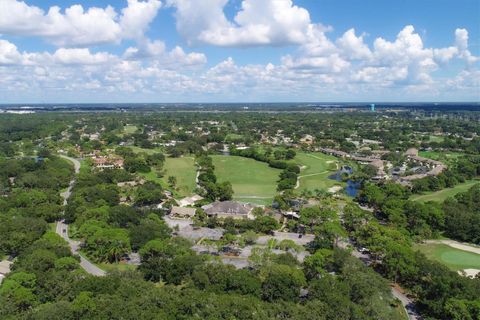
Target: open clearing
point(441, 195)
point(145, 150)
point(252, 181)
point(129, 129)
point(183, 169)
point(317, 167)
point(453, 258)
point(446, 157)
point(433, 138)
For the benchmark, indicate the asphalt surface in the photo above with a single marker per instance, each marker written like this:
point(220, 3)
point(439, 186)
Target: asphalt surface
point(408, 304)
point(62, 228)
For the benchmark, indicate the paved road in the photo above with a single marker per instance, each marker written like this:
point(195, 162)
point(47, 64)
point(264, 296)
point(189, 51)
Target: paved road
point(408, 304)
point(62, 228)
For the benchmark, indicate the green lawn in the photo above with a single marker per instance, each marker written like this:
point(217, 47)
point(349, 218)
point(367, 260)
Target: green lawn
point(111, 267)
point(453, 258)
point(144, 150)
point(445, 157)
point(433, 138)
point(252, 181)
point(233, 137)
point(183, 169)
point(129, 129)
point(440, 196)
point(316, 169)
point(52, 226)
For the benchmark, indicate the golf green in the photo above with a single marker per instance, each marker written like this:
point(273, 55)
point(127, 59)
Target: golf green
point(453, 258)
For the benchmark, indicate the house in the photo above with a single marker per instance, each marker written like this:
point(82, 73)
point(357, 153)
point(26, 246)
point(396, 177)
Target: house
point(101, 162)
point(189, 201)
point(182, 212)
point(307, 139)
point(412, 152)
point(232, 209)
point(291, 214)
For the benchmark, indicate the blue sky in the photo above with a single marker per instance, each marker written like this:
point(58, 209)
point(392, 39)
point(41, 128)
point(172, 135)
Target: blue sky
point(239, 50)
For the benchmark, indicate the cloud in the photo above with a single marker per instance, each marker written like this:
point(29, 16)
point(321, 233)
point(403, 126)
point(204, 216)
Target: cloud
point(155, 50)
point(317, 67)
point(77, 26)
point(137, 16)
point(81, 56)
point(9, 53)
point(264, 22)
point(461, 42)
point(353, 46)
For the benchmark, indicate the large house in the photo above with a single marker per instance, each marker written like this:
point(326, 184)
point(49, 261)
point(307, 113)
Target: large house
point(182, 212)
point(101, 162)
point(232, 209)
point(434, 167)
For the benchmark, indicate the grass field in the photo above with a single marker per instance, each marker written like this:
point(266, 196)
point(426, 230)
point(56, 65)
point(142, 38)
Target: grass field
point(433, 138)
point(252, 181)
point(144, 150)
point(111, 267)
point(455, 259)
point(445, 157)
point(316, 169)
point(440, 196)
point(183, 169)
point(129, 129)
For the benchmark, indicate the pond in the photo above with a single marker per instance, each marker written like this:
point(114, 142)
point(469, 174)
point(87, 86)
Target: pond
point(352, 186)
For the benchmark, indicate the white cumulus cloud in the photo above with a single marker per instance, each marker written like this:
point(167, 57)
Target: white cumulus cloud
point(258, 22)
point(76, 26)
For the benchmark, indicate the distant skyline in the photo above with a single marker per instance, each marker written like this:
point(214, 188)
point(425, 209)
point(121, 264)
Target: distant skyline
point(116, 51)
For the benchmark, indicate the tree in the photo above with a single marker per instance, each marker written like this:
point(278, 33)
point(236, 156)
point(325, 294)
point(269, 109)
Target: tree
point(16, 293)
point(316, 265)
point(149, 228)
point(290, 154)
point(148, 194)
point(172, 181)
point(224, 191)
point(168, 260)
point(108, 244)
point(249, 237)
point(283, 283)
point(266, 224)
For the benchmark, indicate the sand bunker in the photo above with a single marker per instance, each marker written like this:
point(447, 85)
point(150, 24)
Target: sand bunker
point(471, 273)
point(334, 189)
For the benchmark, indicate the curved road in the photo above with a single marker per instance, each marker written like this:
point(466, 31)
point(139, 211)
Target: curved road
point(62, 228)
point(408, 304)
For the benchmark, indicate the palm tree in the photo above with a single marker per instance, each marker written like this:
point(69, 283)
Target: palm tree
point(117, 248)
